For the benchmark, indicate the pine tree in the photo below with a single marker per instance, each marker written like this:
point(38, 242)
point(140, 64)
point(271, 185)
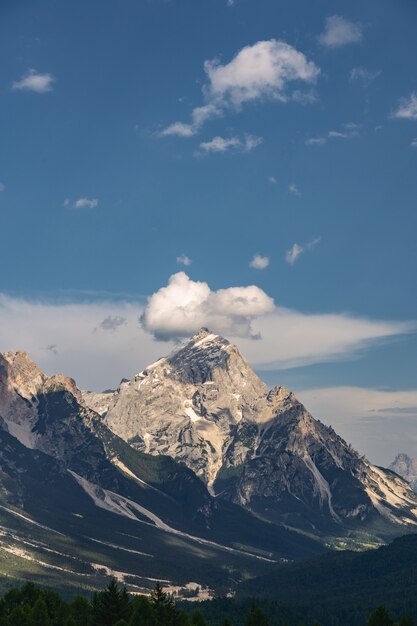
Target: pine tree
point(164, 608)
point(143, 613)
point(197, 618)
point(81, 611)
point(380, 617)
point(20, 616)
point(39, 613)
point(111, 605)
point(256, 617)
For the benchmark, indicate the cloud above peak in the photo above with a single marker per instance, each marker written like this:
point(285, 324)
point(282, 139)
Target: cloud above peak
point(34, 81)
point(263, 71)
point(340, 31)
point(101, 341)
point(183, 306)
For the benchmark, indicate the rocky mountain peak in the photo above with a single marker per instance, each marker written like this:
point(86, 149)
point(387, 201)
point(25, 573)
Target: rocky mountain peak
point(405, 466)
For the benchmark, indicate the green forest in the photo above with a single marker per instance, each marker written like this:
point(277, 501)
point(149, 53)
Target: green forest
point(30, 605)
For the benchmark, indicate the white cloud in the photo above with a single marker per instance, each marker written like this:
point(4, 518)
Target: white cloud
point(294, 189)
point(294, 253)
point(350, 131)
point(337, 134)
point(81, 203)
point(378, 422)
point(339, 31)
point(363, 75)
point(296, 250)
point(2, 187)
point(251, 142)
point(259, 262)
point(272, 180)
point(184, 306)
point(263, 71)
point(413, 143)
point(220, 144)
point(407, 108)
point(178, 129)
point(33, 81)
point(98, 360)
point(316, 141)
point(293, 339)
point(183, 259)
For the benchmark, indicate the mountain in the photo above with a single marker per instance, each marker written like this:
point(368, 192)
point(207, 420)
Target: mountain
point(193, 472)
point(257, 448)
point(342, 588)
point(77, 503)
point(406, 467)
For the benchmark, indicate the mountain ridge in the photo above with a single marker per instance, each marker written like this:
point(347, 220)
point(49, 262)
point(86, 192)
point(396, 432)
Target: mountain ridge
point(205, 407)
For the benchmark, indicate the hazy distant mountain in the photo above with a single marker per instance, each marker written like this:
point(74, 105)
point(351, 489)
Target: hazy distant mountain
point(406, 467)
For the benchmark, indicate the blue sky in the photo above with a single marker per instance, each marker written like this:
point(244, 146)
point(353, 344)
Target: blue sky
point(304, 157)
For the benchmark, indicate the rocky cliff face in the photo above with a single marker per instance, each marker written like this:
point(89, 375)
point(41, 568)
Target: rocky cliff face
point(188, 404)
point(53, 446)
point(405, 466)
point(204, 406)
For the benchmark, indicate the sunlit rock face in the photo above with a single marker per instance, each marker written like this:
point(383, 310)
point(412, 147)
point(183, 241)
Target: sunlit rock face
point(205, 407)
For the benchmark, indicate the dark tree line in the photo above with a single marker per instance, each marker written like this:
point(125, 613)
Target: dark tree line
point(114, 606)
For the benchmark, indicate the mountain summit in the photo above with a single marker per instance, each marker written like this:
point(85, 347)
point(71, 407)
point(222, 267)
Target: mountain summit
point(204, 406)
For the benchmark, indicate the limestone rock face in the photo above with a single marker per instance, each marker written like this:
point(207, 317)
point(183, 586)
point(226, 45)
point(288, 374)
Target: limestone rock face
point(188, 404)
point(205, 407)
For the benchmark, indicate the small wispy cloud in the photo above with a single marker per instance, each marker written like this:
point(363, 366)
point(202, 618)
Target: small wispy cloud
point(294, 189)
point(183, 259)
point(82, 203)
point(297, 250)
point(363, 75)
point(349, 131)
point(407, 108)
point(272, 180)
point(2, 187)
point(316, 141)
point(112, 322)
point(34, 81)
point(259, 262)
point(413, 143)
point(178, 129)
point(340, 31)
point(222, 144)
